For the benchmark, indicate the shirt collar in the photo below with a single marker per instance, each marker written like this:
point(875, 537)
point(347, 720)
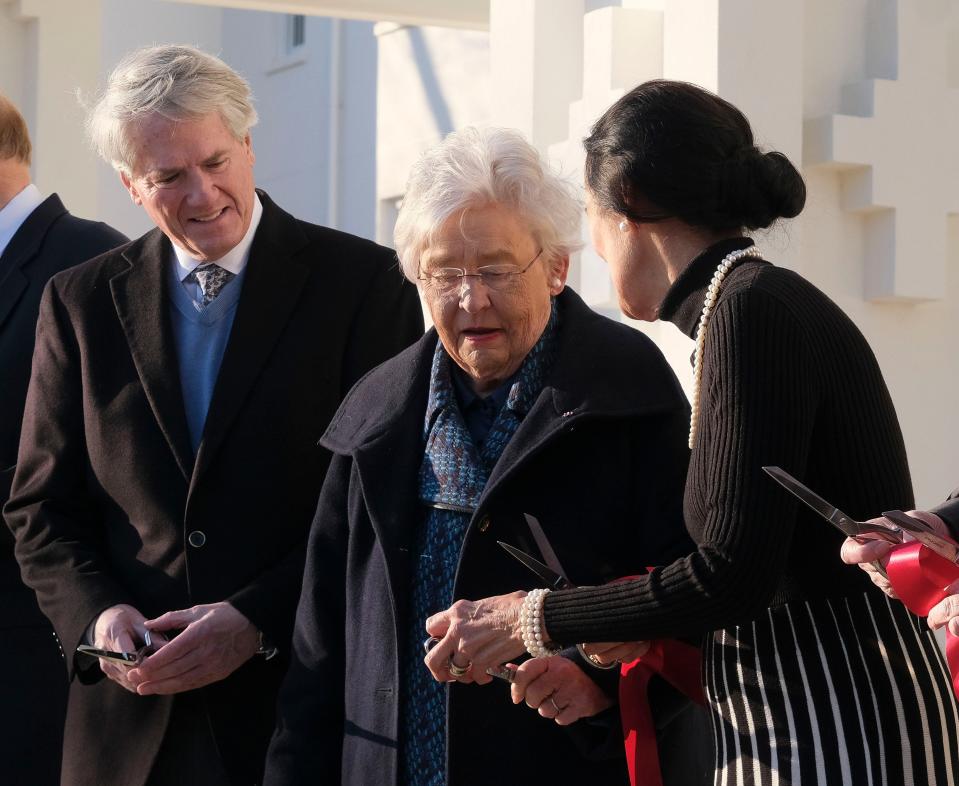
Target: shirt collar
point(16, 211)
point(467, 396)
point(234, 260)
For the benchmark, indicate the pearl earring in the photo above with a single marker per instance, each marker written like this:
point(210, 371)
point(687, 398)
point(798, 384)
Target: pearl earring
point(622, 225)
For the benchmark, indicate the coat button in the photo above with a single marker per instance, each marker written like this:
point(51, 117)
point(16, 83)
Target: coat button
point(196, 539)
point(484, 524)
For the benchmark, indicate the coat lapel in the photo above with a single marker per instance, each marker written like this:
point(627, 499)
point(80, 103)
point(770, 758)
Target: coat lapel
point(146, 322)
point(23, 247)
point(384, 435)
point(272, 286)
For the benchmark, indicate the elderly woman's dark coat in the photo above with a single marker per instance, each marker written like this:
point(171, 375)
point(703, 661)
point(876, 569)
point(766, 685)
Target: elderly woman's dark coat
point(600, 460)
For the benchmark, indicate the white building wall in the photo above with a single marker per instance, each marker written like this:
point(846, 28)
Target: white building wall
point(785, 65)
point(128, 25)
point(315, 142)
point(430, 82)
point(340, 129)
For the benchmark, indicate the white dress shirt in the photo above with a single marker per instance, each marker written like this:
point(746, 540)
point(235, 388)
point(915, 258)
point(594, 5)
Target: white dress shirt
point(234, 260)
point(16, 211)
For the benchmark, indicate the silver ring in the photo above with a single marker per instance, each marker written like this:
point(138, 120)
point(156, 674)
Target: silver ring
point(556, 706)
point(458, 671)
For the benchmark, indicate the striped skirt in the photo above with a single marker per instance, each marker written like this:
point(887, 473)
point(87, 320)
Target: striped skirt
point(841, 691)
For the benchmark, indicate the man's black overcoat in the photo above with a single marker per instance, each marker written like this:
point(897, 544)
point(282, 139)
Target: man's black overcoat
point(107, 490)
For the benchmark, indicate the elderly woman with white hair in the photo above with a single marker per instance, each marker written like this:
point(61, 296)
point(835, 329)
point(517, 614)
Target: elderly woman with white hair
point(521, 401)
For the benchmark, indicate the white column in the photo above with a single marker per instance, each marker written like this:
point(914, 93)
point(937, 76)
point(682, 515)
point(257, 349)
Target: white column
point(536, 65)
point(752, 55)
point(65, 58)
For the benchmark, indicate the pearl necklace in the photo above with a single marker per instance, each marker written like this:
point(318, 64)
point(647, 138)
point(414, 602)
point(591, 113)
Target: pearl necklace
point(712, 294)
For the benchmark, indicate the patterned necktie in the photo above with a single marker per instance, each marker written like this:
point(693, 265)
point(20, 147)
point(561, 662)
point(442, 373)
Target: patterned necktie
point(211, 279)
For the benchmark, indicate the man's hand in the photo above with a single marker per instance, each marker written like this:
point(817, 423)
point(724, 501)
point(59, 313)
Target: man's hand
point(558, 689)
point(119, 629)
point(216, 640)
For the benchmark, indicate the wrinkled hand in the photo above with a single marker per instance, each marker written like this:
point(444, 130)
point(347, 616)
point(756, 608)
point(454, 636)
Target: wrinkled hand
point(867, 549)
point(482, 634)
point(946, 612)
point(216, 640)
point(119, 629)
point(608, 653)
point(558, 689)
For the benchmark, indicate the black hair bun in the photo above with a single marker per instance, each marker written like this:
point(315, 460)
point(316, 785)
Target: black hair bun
point(777, 190)
point(674, 150)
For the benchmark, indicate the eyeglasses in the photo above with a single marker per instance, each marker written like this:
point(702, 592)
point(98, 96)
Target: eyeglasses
point(498, 278)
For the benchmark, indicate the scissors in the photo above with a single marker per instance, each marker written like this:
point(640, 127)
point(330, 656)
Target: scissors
point(845, 524)
point(944, 546)
point(553, 579)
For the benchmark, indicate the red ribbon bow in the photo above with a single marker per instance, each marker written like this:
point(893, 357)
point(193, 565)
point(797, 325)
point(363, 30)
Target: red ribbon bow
point(920, 578)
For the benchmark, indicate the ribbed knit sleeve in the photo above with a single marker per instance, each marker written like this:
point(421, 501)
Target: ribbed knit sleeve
point(789, 381)
point(759, 397)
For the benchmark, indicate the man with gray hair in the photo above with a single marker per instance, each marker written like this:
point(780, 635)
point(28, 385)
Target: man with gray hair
point(169, 465)
point(38, 237)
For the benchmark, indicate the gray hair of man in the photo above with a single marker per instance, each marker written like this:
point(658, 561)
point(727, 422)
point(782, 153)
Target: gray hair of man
point(176, 82)
point(479, 166)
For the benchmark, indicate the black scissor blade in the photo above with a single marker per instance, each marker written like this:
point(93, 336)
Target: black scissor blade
point(547, 575)
point(825, 509)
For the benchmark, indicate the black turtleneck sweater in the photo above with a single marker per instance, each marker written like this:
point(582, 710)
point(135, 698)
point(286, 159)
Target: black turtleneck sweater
point(788, 380)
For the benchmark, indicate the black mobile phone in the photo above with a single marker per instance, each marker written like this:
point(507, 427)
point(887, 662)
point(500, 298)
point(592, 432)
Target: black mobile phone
point(124, 658)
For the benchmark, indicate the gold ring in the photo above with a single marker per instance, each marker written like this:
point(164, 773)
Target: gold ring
point(458, 671)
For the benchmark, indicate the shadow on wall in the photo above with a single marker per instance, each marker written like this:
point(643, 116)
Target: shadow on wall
point(427, 71)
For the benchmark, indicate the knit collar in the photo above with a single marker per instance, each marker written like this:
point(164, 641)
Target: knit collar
point(684, 301)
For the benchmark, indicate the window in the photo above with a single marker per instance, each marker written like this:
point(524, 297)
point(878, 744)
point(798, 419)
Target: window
point(295, 32)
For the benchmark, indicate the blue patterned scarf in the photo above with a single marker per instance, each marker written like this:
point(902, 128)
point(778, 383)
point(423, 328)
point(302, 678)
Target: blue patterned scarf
point(452, 477)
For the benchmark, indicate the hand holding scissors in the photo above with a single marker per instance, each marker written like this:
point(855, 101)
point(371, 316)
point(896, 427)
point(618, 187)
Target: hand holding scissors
point(868, 542)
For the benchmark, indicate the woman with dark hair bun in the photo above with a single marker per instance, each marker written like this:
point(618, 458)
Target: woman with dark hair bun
point(812, 675)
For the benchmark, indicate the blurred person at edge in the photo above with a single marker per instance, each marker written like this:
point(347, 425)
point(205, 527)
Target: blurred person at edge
point(944, 519)
point(38, 237)
point(168, 467)
point(521, 400)
point(811, 675)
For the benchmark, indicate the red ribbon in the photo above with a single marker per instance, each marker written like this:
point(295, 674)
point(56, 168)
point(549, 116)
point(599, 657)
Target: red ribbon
point(920, 578)
point(679, 664)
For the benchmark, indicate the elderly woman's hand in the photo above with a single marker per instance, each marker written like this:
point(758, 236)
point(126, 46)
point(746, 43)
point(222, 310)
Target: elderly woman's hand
point(946, 612)
point(866, 550)
point(608, 653)
point(558, 689)
point(475, 635)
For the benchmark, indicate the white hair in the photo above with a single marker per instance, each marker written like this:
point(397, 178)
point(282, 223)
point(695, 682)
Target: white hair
point(176, 82)
point(477, 166)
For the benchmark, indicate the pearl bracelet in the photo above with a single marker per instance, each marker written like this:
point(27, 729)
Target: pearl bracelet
point(531, 625)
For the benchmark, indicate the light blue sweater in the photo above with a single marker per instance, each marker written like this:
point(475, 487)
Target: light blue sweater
point(200, 335)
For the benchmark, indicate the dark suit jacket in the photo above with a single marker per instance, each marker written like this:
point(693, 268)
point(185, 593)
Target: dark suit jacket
point(34, 698)
point(50, 240)
point(107, 490)
point(600, 459)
